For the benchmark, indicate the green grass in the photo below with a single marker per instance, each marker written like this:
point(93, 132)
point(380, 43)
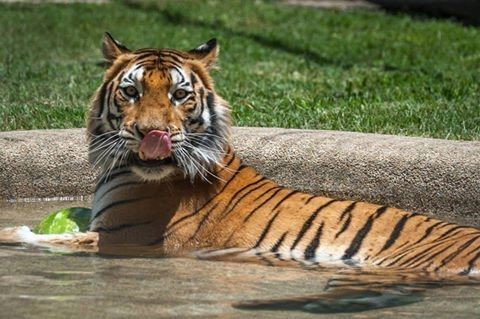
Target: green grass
point(281, 66)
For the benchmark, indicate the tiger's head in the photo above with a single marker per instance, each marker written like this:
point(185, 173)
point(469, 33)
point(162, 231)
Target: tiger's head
point(157, 113)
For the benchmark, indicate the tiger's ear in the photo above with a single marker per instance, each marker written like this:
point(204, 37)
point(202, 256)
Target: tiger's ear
point(207, 53)
point(112, 49)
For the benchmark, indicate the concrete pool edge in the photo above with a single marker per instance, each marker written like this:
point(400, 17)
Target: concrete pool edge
point(437, 177)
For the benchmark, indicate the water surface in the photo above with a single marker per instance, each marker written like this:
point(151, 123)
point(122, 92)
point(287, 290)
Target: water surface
point(35, 283)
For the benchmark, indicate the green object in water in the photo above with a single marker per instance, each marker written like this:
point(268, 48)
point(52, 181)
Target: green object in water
point(68, 220)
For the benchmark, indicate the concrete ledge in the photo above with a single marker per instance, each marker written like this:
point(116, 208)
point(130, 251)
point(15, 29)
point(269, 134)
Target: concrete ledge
point(437, 177)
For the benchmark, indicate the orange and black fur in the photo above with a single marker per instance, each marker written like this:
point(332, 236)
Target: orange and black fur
point(201, 196)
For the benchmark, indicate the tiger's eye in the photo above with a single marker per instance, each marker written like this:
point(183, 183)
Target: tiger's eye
point(180, 94)
point(131, 91)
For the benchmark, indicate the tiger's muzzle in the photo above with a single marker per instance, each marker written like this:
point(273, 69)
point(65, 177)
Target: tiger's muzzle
point(155, 146)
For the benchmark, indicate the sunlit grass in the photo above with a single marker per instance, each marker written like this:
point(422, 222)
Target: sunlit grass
point(281, 66)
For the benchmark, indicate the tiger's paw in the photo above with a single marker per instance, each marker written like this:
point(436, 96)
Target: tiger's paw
point(16, 235)
point(68, 242)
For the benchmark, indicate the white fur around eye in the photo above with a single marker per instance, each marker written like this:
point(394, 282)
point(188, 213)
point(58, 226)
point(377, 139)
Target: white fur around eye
point(133, 77)
point(180, 81)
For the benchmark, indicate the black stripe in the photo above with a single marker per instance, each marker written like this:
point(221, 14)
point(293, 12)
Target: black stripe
point(193, 79)
point(180, 73)
point(118, 77)
point(110, 120)
point(106, 99)
point(347, 210)
point(417, 256)
point(101, 94)
point(230, 161)
point(429, 231)
point(470, 264)
point(284, 199)
point(414, 245)
point(111, 177)
point(167, 63)
point(145, 54)
point(147, 69)
point(118, 203)
point(148, 50)
point(119, 227)
point(175, 52)
point(345, 225)
point(448, 232)
point(263, 203)
point(397, 230)
point(306, 226)
point(199, 121)
point(202, 221)
point(361, 234)
point(313, 246)
point(402, 245)
point(279, 242)
point(265, 192)
point(115, 76)
point(202, 103)
point(428, 258)
point(175, 58)
point(398, 256)
point(265, 230)
point(457, 252)
point(227, 211)
point(110, 115)
point(211, 109)
point(208, 201)
point(130, 76)
point(172, 51)
point(310, 199)
point(118, 186)
point(147, 65)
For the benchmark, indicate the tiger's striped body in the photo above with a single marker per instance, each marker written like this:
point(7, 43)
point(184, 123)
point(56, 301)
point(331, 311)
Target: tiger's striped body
point(246, 210)
point(196, 194)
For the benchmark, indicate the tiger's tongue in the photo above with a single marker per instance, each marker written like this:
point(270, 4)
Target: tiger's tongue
point(155, 145)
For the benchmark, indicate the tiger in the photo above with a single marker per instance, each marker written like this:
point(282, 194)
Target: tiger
point(170, 181)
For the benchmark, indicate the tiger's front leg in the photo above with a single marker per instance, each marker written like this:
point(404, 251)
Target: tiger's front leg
point(73, 242)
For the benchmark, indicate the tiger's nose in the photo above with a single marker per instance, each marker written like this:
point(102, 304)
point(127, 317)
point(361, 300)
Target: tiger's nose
point(143, 130)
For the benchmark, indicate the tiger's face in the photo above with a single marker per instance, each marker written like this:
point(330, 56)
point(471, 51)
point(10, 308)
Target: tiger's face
point(157, 113)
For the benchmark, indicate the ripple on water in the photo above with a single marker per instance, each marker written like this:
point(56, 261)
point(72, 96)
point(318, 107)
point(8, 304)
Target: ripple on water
point(35, 283)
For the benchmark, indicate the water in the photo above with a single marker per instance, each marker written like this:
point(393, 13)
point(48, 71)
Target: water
point(35, 283)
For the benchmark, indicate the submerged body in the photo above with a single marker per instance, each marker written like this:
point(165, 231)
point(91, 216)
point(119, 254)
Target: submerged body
point(242, 209)
point(170, 181)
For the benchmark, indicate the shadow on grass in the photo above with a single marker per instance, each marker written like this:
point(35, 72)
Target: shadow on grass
point(465, 12)
point(176, 18)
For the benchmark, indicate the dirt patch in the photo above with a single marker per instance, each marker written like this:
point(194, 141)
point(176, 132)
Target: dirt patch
point(333, 4)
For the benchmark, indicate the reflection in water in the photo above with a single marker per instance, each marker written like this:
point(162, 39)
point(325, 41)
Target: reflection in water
point(128, 281)
point(187, 286)
point(346, 290)
point(346, 300)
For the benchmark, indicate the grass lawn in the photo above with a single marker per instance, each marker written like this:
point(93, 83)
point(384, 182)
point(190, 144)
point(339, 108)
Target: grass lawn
point(281, 66)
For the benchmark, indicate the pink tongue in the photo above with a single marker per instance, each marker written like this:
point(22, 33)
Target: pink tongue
point(155, 145)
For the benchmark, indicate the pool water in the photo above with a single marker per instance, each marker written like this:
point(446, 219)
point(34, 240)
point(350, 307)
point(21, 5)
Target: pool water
point(36, 283)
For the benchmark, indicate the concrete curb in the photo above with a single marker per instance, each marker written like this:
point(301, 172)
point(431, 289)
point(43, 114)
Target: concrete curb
point(437, 177)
